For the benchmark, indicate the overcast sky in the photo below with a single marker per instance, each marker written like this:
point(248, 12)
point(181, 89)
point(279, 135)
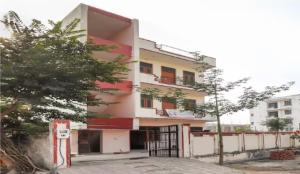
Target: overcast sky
point(249, 38)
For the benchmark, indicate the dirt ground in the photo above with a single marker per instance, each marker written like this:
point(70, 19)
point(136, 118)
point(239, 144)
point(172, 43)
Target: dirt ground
point(269, 166)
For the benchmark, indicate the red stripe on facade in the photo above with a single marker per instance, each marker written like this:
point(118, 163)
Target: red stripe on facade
point(125, 86)
point(117, 48)
point(68, 150)
point(110, 123)
point(54, 126)
point(182, 141)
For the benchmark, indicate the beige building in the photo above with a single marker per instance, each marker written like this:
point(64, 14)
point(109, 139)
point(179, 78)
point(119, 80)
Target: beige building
point(137, 122)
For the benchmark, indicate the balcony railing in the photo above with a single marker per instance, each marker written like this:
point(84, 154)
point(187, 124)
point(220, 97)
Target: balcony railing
point(152, 78)
point(117, 48)
point(175, 113)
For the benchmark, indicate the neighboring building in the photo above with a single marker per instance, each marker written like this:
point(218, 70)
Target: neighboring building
point(213, 127)
point(136, 120)
point(282, 107)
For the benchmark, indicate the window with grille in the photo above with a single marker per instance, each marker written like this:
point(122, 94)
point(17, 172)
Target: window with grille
point(189, 104)
point(288, 103)
point(188, 78)
point(287, 112)
point(272, 105)
point(146, 101)
point(273, 114)
point(146, 68)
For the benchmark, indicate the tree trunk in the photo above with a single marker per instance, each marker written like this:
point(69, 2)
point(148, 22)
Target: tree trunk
point(221, 151)
point(276, 140)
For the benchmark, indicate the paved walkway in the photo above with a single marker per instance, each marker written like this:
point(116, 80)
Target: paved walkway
point(149, 166)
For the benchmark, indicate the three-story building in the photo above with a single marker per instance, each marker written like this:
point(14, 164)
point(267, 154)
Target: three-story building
point(136, 121)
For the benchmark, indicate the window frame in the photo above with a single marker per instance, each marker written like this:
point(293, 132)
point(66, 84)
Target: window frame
point(288, 102)
point(146, 101)
point(186, 82)
point(144, 67)
point(193, 102)
point(290, 112)
point(273, 115)
point(275, 105)
point(168, 80)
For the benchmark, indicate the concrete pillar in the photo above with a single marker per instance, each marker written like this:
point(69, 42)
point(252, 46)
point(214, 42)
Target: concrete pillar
point(60, 143)
point(185, 141)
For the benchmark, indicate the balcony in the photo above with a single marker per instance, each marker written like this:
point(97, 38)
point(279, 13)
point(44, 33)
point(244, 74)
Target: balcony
point(123, 87)
point(172, 113)
point(115, 50)
point(167, 82)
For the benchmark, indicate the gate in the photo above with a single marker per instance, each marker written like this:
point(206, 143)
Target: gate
point(163, 141)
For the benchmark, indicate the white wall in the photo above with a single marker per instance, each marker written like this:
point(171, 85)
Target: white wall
point(74, 142)
point(207, 143)
point(202, 145)
point(231, 143)
point(115, 141)
point(80, 12)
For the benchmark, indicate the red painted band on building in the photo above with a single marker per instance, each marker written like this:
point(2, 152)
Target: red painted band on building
point(122, 49)
point(110, 123)
point(125, 86)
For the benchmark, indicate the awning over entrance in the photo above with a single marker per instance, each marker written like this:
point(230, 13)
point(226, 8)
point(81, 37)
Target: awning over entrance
point(112, 123)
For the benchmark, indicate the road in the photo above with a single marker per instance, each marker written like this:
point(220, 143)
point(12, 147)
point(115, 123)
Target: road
point(150, 166)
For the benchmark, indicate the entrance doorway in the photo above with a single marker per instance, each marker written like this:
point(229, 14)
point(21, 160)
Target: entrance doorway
point(138, 140)
point(89, 141)
point(163, 141)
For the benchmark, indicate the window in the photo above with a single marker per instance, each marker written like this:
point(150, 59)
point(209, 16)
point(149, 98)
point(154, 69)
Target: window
point(288, 103)
point(189, 104)
point(287, 112)
point(273, 114)
point(146, 101)
point(168, 75)
point(146, 68)
point(196, 129)
point(252, 123)
point(188, 78)
point(252, 115)
point(272, 105)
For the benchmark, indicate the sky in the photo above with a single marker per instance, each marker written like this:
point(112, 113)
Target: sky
point(259, 39)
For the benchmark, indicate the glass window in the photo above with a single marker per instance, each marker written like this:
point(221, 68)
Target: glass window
point(287, 112)
point(146, 101)
point(272, 105)
point(196, 129)
point(188, 78)
point(273, 114)
point(189, 104)
point(146, 68)
point(287, 102)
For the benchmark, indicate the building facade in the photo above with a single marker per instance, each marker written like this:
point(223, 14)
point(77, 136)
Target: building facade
point(136, 120)
point(282, 107)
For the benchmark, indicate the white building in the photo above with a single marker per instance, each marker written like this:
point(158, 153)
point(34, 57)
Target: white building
point(283, 107)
